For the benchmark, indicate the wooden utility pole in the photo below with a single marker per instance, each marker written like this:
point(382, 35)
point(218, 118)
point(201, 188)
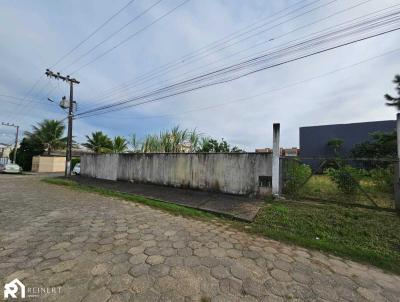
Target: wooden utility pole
point(16, 139)
point(71, 82)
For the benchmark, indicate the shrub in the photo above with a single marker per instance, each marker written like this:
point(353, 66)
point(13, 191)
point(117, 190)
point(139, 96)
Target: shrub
point(297, 175)
point(345, 177)
point(383, 178)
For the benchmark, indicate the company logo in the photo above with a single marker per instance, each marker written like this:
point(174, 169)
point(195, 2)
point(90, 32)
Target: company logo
point(11, 289)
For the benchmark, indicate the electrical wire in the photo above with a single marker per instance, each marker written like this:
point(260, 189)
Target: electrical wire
point(251, 47)
point(130, 36)
point(254, 62)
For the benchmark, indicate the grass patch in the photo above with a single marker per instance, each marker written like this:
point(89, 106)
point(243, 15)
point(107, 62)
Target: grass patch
point(360, 234)
point(321, 187)
point(169, 207)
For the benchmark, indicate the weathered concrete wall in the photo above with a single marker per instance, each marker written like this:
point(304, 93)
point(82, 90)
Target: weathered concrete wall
point(104, 166)
point(236, 173)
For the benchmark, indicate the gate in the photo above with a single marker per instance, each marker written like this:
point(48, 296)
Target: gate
point(363, 181)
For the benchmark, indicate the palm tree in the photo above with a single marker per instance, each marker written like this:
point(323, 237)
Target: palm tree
point(392, 100)
point(50, 134)
point(99, 142)
point(119, 144)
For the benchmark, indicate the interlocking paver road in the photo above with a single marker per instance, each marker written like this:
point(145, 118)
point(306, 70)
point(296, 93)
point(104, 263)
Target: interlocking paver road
point(96, 248)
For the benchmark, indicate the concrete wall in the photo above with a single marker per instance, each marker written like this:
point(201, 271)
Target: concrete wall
point(48, 164)
point(236, 173)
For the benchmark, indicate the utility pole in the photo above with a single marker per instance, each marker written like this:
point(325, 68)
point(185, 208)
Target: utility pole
point(71, 82)
point(16, 139)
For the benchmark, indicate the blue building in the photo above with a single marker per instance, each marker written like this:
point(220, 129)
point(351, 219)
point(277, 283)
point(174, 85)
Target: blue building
point(314, 139)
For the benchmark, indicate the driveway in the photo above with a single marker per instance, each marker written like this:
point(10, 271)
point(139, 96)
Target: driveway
point(67, 245)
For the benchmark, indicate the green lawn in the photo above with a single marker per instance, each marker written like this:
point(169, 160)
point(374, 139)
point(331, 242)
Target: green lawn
point(361, 234)
point(323, 188)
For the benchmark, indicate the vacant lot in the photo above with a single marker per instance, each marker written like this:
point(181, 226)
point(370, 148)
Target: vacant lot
point(362, 234)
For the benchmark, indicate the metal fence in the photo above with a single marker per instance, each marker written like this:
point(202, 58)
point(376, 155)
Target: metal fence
point(4, 160)
point(363, 181)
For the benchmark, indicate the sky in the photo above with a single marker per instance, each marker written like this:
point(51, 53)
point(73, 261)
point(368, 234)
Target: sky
point(36, 34)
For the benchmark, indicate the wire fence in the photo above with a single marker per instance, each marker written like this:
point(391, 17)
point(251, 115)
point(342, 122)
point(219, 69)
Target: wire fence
point(362, 181)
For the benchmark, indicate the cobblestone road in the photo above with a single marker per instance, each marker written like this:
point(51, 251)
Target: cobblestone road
point(94, 248)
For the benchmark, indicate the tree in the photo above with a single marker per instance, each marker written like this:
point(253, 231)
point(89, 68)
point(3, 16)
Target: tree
point(391, 100)
point(29, 147)
point(335, 144)
point(50, 134)
point(99, 142)
point(212, 145)
point(119, 144)
point(381, 145)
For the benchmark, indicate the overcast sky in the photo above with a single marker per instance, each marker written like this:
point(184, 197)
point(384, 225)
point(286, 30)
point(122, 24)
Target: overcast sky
point(35, 34)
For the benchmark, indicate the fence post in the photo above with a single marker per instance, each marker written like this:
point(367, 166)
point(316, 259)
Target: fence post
point(397, 167)
point(275, 160)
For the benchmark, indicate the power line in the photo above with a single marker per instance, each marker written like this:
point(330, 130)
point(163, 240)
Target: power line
point(74, 48)
point(112, 34)
point(251, 97)
point(240, 66)
point(206, 49)
point(131, 36)
point(92, 33)
point(228, 80)
point(253, 46)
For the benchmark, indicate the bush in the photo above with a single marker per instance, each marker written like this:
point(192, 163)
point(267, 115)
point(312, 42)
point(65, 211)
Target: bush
point(383, 178)
point(298, 174)
point(345, 177)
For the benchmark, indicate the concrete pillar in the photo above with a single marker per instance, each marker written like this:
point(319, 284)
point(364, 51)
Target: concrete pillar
point(397, 168)
point(275, 160)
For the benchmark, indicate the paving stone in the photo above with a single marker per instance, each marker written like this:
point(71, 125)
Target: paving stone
point(139, 269)
point(99, 295)
point(254, 288)
point(138, 258)
point(63, 266)
point(220, 272)
point(280, 275)
point(120, 283)
point(103, 249)
point(155, 259)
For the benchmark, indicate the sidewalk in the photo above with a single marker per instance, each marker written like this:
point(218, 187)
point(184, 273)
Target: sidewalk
point(240, 207)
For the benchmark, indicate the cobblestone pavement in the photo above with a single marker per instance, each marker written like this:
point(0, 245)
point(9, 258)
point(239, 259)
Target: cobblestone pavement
point(94, 248)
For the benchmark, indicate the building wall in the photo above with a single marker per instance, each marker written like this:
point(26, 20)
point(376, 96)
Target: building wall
point(48, 164)
point(236, 173)
point(314, 139)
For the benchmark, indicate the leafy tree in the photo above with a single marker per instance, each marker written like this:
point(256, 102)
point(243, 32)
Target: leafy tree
point(50, 134)
point(335, 144)
point(382, 144)
point(28, 148)
point(212, 145)
point(119, 144)
point(392, 100)
point(99, 142)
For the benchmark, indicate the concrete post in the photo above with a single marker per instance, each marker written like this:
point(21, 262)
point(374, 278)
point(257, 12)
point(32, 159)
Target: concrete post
point(397, 168)
point(275, 160)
